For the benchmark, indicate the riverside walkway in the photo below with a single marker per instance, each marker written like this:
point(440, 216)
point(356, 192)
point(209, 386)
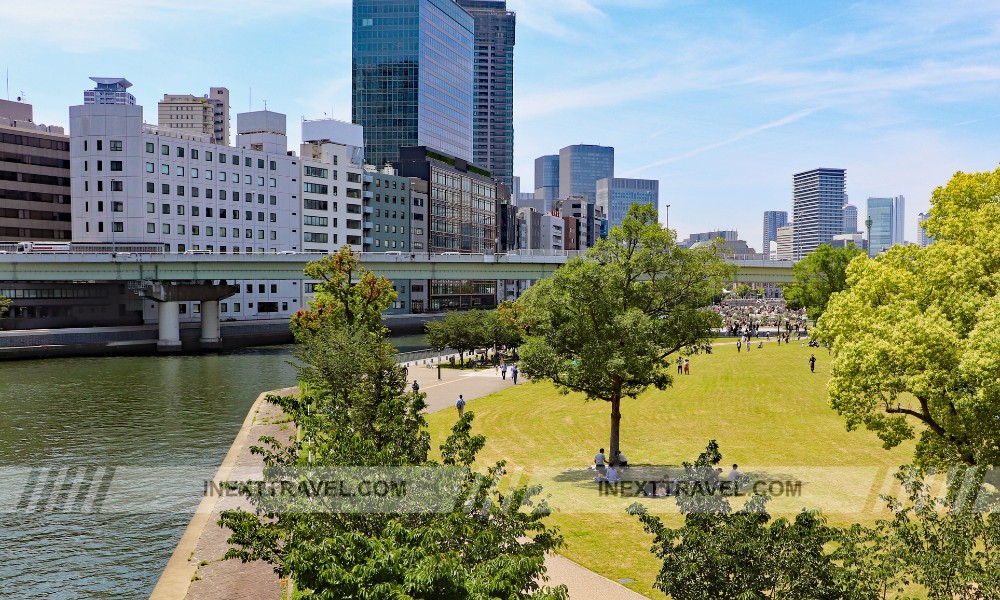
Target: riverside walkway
point(196, 571)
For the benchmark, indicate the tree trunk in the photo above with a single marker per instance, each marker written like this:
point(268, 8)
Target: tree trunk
point(616, 420)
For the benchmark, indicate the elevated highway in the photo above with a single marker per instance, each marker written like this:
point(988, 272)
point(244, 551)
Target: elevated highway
point(215, 267)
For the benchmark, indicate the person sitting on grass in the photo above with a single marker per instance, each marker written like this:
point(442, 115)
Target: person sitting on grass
point(612, 475)
point(622, 461)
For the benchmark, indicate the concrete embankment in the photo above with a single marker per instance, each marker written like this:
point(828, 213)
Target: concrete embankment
point(142, 339)
point(196, 570)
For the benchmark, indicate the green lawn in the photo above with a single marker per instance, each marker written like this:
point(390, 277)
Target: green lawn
point(767, 411)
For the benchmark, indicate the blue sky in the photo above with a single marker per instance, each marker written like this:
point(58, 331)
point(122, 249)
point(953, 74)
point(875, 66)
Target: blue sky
point(720, 101)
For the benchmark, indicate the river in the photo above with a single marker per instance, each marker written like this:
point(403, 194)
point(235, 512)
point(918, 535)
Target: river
point(155, 415)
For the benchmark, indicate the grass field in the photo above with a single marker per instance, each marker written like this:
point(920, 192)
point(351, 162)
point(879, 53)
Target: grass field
point(768, 412)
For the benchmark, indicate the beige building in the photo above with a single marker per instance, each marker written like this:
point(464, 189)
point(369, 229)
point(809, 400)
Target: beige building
point(785, 246)
point(208, 114)
point(34, 177)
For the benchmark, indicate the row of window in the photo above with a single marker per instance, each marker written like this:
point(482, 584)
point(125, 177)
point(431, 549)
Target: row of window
point(194, 173)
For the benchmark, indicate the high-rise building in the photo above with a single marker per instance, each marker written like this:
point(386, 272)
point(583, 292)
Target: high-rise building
point(785, 242)
point(850, 219)
point(34, 177)
point(208, 114)
point(547, 179)
point(581, 167)
point(925, 240)
point(493, 92)
point(818, 208)
point(615, 195)
point(413, 77)
point(899, 220)
point(886, 215)
point(109, 90)
point(773, 219)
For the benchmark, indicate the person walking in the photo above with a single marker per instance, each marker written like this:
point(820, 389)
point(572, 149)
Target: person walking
point(513, 374)
point(460, 405)
point(680, 365)
point(739, 345)
point(503, 370)
point(687, 367)
point(812, 363)
point(416, 386)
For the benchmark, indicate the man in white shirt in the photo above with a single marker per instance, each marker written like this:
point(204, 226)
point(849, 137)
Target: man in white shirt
point(734, 475)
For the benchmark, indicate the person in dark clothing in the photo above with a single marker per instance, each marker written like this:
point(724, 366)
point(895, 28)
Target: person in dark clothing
point(812, 363)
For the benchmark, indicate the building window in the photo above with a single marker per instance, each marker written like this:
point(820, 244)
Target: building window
point(100, 186)
point(180, 229)
point(274, 166)
point(273, 182)
point(195, 211)
point(208, 156)
point(195, 192)
point(180, 190)
point(165, 227)
point(150, 148)
point(117, 186)
point(118, 227)
point(208, 174)
point(274, 235)
point(195, 230)
point(180, 171)
point(165, 150)
point(165, 169)
point(180, 152)
point(150, 227)
point(165, 209)
point(164, 188)
point(274, 200)
point(194, 154)
point(222, 175)
point(319, 238)
point(222, 158)
point(117, 206)
point(150, 207)
point(150, 167)
point(194, 172)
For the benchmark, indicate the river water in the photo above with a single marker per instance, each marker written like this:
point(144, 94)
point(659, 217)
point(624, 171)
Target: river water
point(79, 421)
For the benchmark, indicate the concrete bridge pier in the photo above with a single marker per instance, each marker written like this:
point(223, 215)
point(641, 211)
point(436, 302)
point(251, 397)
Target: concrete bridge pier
point(211, 331)
point(170, 327)
point(170, 295)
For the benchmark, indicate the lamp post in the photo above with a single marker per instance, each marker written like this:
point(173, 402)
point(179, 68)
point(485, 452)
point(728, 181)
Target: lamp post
point(868, 226)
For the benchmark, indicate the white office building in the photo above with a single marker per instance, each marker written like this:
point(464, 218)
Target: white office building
point(133, 182)
point(332, 186)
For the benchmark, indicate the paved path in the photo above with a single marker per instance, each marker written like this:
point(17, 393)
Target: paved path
point(187, 578)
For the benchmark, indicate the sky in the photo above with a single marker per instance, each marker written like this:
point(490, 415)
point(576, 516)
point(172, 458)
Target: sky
point(722, 102)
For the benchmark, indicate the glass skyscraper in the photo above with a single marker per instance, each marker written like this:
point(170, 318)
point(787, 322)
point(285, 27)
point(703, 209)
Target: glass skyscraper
point(818, 208)
point(887, 223)
point(580, 168)
point(547, 179)
point(615, 196)
point(413, 77)
point(773, 219)
point(493, 91)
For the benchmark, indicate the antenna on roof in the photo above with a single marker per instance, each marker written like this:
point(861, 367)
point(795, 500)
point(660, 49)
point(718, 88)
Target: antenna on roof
point(250, 104)
point(265, 104)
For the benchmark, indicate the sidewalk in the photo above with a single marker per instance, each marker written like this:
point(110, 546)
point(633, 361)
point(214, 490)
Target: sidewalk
point(204, 542)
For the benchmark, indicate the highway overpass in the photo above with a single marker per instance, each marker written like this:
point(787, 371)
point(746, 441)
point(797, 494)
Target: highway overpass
point(232, 267)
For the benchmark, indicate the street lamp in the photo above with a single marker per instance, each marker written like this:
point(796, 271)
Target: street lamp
point(868, 225)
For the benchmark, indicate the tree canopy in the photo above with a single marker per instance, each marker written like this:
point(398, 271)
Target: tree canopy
point(4, 305)
point(605, 324)
point(355, 411)
point(818, 276)
point(916, 337)
point(469, 330)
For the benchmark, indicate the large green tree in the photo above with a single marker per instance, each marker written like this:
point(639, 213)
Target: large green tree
point(818, 276)
point(354, 410)
point(4, 305)
point(916, 336)
point(605, 324)
point(464, 331)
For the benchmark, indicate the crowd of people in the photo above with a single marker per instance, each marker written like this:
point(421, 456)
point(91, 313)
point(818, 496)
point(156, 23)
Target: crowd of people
point(741, 318)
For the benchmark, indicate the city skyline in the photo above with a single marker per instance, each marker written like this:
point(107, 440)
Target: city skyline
point(900, 97)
